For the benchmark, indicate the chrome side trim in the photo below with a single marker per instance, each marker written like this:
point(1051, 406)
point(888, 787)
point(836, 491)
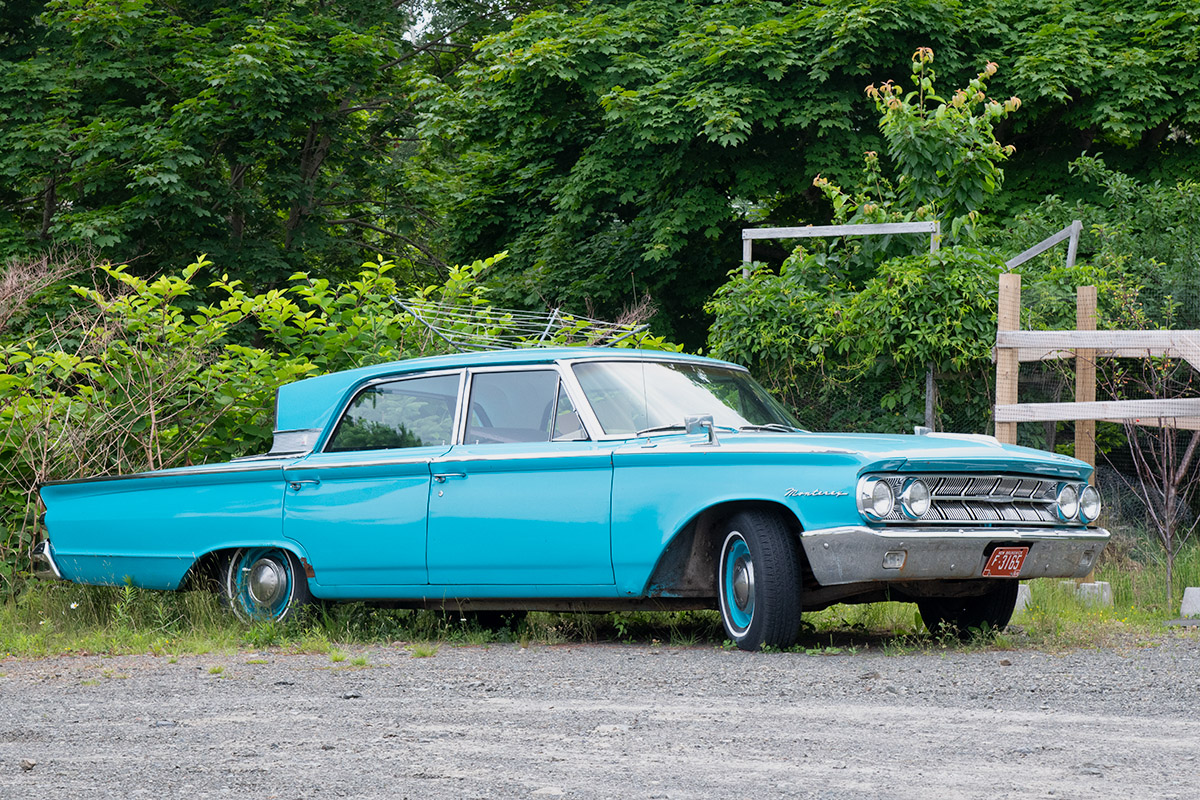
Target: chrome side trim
point(549, 455)
point(224, 468)
point(43, 561)
point(383, 462)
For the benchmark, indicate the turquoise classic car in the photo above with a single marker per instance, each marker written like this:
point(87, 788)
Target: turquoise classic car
point(584, 479)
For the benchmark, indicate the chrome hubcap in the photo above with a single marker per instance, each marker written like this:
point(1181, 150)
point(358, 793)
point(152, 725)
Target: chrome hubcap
point(267, 582)
point(743, 583)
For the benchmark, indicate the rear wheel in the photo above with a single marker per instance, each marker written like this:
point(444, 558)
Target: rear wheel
point(961, 615)
point(758, 581)
point(264, 583)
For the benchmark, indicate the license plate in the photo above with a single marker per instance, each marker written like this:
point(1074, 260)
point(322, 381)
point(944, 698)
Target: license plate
point(1005, 562)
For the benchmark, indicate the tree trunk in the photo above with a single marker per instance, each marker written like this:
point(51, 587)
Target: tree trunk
point(237, 220)
point(49, 206)
point(316, 147)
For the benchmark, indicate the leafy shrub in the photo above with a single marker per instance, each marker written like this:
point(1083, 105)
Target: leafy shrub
point(858, 359)
point(136, 381)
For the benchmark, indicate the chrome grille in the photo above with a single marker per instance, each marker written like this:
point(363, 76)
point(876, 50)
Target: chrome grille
point(965, 499)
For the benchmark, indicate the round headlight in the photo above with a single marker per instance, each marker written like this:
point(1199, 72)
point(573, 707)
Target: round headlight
point(914, 498)
point(875, 498)
point(1089, 504)
point(1067, 502)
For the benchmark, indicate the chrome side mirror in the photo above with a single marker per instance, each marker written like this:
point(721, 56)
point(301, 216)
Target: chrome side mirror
point(695, 423)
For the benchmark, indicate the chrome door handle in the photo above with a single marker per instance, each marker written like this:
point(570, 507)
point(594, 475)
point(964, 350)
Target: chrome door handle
point(445, 476)
point(298, 485)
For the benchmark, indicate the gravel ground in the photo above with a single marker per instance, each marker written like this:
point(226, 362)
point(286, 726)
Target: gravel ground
point(602, 721)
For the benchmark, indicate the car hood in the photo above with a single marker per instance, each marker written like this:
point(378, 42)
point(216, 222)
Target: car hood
point(929, 452)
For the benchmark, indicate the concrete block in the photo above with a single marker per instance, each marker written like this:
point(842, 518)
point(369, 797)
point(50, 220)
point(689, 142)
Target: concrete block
point(1095, 594)
point(1022, 598)
point(1191, 602)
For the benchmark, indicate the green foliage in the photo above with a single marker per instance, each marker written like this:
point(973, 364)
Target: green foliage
point(945, 151)
point(260, 133)
point(1140, 246)
point(145, 380)
point(817, 342)
point(610, 147)
point(841, 317)
point(617, 147)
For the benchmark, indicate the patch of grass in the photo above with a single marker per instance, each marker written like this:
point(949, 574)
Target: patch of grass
point(264, 633)
point(216, 670)
point(51, 618)
point(896, 619)
point(423, 649)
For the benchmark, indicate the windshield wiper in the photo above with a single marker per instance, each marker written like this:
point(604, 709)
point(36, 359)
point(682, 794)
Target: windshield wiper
point(660, 429)
point(771, 426)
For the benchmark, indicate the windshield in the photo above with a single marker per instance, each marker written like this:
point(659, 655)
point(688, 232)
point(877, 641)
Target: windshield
point(633, 396)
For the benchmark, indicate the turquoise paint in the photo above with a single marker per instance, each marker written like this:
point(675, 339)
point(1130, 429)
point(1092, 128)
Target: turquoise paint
point(447, 593)
point(739, 617)
point(363, 521)
point(152, 528)
point(522, 514)
point(567, 519)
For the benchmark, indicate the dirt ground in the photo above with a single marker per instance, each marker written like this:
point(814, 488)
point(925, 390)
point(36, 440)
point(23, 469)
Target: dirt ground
point(602, 721)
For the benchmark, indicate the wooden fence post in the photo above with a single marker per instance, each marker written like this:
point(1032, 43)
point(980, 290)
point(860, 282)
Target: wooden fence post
point(1085, 375)
point(1008, 318)
point(1085, 386)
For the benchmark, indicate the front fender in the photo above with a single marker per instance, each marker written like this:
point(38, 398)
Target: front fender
point(657, 492)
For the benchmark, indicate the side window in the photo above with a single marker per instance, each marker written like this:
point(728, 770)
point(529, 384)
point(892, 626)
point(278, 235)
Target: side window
point(521, 406)
point(408, 413)
point(568, 427)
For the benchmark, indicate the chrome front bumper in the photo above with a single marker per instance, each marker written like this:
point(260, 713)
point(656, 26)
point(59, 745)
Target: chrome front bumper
point(855, 554)
point(43, 562)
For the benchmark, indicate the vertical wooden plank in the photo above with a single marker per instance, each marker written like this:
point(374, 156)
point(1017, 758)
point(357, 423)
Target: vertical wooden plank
point(1085, 384)
point(1085, 375)
point(1073, 245)
point(747, 256)
point(930, 393)
point(1008, 318)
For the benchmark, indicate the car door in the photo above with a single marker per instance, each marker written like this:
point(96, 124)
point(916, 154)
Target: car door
point(525, 499)
point(359, 506)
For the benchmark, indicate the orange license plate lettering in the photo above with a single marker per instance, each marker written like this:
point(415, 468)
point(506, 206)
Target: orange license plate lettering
point(1005, 562)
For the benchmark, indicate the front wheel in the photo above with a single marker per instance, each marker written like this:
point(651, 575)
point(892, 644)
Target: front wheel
point(264, 583)
point(758, 581)
point(990, 611)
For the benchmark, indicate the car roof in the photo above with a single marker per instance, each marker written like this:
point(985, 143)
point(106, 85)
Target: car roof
point(308, 404)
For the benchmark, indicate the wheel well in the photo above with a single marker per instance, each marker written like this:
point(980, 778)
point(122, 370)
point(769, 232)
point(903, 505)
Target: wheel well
point(205, 573)
point(687, 568)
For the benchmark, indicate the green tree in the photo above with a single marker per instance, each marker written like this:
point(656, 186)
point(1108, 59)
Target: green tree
point(263, 133)
point(843, 317)
point(618, 147)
